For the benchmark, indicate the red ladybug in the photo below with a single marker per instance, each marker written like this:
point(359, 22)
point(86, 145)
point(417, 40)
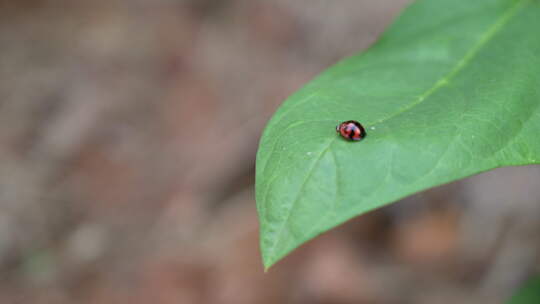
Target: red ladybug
point(351, 130)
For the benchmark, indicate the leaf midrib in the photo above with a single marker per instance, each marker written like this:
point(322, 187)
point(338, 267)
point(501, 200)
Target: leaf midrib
point(486, 37)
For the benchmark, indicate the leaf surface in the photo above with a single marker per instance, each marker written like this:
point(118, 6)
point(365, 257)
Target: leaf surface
point(451, 89)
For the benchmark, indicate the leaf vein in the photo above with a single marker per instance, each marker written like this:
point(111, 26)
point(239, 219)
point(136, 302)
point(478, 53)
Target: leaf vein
point(297, 198)
point(486, 37)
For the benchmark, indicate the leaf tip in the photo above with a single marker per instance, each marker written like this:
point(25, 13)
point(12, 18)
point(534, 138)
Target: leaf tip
point(267, 263)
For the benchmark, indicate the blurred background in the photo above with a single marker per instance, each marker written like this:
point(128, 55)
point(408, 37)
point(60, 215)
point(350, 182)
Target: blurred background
point(128, 133)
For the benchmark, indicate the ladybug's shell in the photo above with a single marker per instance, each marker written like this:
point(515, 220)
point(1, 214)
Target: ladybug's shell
point(351, 130)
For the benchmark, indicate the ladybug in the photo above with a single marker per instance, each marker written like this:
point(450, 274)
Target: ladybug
point(351, 130)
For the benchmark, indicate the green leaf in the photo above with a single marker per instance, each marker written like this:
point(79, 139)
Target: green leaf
point(450, 90)
point(528, 293)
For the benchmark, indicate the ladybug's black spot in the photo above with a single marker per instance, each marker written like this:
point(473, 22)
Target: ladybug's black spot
point(350, 131)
